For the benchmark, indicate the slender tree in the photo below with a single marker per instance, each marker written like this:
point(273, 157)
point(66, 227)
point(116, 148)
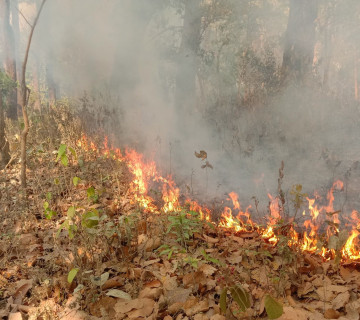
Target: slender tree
point(8, 41)
point(299, 40)
point(24, 99)
point(185, 95)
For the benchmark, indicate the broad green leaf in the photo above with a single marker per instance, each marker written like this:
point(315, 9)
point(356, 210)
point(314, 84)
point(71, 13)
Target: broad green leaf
point(61, 151)
point(223, 301)
point(71, 212)
point(64, 160)
point(48, 196)
point(90, 219)
point(72, 274)
point(274, 309)
point(46, 205)
point(240, 296)
point(76, 181)
point(118, 294)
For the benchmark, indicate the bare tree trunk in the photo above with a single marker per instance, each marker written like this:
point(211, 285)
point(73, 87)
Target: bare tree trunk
point(300, 40)
point(4, 145)
point(16, 30)
point(185, 94)
point(23, 102)
point(9, 52)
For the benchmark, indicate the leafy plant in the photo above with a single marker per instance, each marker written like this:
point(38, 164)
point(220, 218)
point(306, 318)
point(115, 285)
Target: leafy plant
point(183, 226)
point(62, 154)
point(92, 194)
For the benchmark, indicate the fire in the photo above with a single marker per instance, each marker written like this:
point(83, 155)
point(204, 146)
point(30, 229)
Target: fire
point(234, 219)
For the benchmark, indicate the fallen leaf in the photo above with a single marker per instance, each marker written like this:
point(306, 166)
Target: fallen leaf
point(341, 300)
point(22, 291)
point(331, 314)
point(118, 294)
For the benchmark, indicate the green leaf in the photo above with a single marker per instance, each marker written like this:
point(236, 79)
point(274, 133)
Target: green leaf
point(90, 219)
point(274, 309)
point(73, 152)
point(118, 294)
point(72, 274)
point(71, 212)
point(64, 160)
point(223, 301)
point(46, 205)
point(48, 196)
point(49, 214)
point(76, 181)
point(61, 151)
point(240, 296)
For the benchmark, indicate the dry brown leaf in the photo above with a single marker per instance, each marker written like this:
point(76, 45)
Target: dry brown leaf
point(308, 287)
point(169, 283)
point(15, 316)
point(177, 295)
point(175, 307)
point(201, 155)
point(151, 293)
point(201, 316)
point(193, 278)
point(113, 283)
point(341, 300)
point(104, 306)
point(145, 311)
point(202, 306)
point(291, 313)
point(331, 314)
point(21, 291)
point(207, 269)
point(210, 239)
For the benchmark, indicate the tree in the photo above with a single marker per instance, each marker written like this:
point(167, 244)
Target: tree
point(8, 41)
point(299, 40)
point(185, 94)
point(24, 98)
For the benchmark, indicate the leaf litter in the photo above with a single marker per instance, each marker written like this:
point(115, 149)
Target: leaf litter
point(122, 275)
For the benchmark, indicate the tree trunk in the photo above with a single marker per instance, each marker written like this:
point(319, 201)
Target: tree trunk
point(185, 94)
point(9, 53)
point(300, 40)
point(24, 94)
point(4, 145)
point(16, 30)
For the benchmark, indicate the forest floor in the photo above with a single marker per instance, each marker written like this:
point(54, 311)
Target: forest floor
point(78, 246)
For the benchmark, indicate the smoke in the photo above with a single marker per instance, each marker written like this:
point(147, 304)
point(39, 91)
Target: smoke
point(128, 50)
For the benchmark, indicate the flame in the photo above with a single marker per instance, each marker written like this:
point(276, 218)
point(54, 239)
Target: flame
point(145, 175)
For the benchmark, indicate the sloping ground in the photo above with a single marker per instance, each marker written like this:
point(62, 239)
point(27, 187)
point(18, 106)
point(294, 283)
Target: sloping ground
point(80, 247)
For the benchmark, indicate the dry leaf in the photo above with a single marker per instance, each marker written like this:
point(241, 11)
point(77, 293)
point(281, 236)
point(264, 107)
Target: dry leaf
point(341, 300)
point(15, 316)
point(202, 306)
point(21, 292)
point(202, 155)
point(151, 293)
point(331, 314)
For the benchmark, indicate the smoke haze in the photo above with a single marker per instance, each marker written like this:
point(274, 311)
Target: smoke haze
point(127, 52)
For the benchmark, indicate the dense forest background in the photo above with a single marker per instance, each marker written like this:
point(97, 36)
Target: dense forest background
point(252, 83)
